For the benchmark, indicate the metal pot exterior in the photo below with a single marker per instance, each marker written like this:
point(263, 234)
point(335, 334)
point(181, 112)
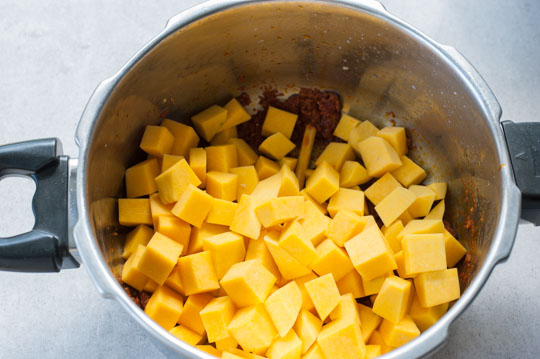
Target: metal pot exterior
point(381, 66)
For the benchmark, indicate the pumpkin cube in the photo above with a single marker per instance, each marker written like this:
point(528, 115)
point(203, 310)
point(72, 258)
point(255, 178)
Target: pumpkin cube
point(401, 266)
point(436, 212)
point(440, 190)
point(197, 273)
point(186, 335)
point(393, 299)
point(424, 199)
point(210, 121)
point(221, 158)
point(307, 327)
point(151, 286)
point(245, 221)
point(157, 141)
point(174, 182)
point(266, 168)
point(347, 224)
point(426, 317)
point(393, 205)
point(346, 199)
point(324, 294)
point(331, 259)
point(423, 253)
point(176, 229)
point(159, 257)
point(369, 321)
point(315, 352)
point(364, 130)
point(226, 249)
point(277, 120)
point(345, 126)
point(289, 266)
point(379, 156)
point(372, 351)
point(289, 161)
point(347, 308)
point(228, 343)
point(351, 283)
point(373, 286)
point(246, 155)
point(222, 185)
point(198, 234)
point(391, 232)
point(167, 161)
point(268, 188)
point(307, 303)
point(134, 211)
point(377, 340)
point(197, 162)
point(323, 183)
point(352, 174)
point(292, 240)
point(370, 253)
point(236, 114)
point(342, 339)
point(276, 146)
point(140, 178)
point(336, 153)
point(396, 137)
point(253, 328)
point(185, 137)
point(314, 223)
point(208, 349)
point(398, 334)
point(320, 206)
point(222, 212)
point(280, 210)
point(247, 179)
point(131, 274)
point(193, 206)
point(158, 208)
point(405, 217)
point(258, 250)
point(409, 173)
point(454, 250)
point(434, 288)
point(248, 283)
point(289, 346)
point(381, 188)
point(216, 317)
point(235, 353)
point(191, 314)
point(421, 226)
point(164, 307)
point(223, 137)
point(140, 235)
point(174, 281)
point(283, 307)
point(289, 183)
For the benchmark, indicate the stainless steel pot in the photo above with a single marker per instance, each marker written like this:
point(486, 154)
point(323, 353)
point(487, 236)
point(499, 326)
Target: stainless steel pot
point(384, 69)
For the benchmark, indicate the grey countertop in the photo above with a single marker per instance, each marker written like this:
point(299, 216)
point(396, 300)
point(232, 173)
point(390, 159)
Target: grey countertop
point(53, 54)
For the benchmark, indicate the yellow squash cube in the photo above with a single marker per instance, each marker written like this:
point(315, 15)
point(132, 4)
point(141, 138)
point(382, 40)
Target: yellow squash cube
point(247, 179)
point(351, 283)
point(158, 208)
point(168, 161)
point(434, 288)
point(377, 340)
point(164, 307)
point(352, 174)
point(370, 253)
point(289, 161)
point(277, 120)
point(131, 274)
point(320, 206)
point(346, 199)
point(157, 141)
point(253, 328)
point(191, 314)
point(268, 188)
point(454, 250)
point(197, 162)
point(222, 212)
point(331, 259)
point(210, 121)
point(336, 153)
point(140, 178)
point(420, 226)
point(381, 188)
point(401, 266)
point(347, 224)
point(245, 221)
point(208, 349)
point(409, 173)
point(246, 155)
point(236, 114)
point(288, 347)
point(193, 206)
point(159, 257)
point(292, 240)
point(379, 156)
point(185, 137)
point(398, 334)
point(345, 126)
point(186, 335)
point(405, 217)
point(176, 229)
point(373, 286)
point(369, 321)
point(396, 137)
point(222, 185)
point(280, 210)
point(226, 249)
point(347, 308)
point(307, 327)
point(391, 232)
point(228, 343)
point(393, 205)
point(364, 130)
point(174, 182)
point(307, 303)
point(216, 317)
point(276, 146)
point(342, 339)
point(315, 352)
point(283, 307)
point(174, 281)
point(134, 211)
point(424, 199)
point(140, 235)
point(248, 283)
point(197, 273)
point(258, 250)
point(324, 294)
point(198, 234)
point(314, 223)
point(426, 317)
point(221, 158)
point(393, 299)
point(440, 190)
point(372, 351)
point(323, 183)
point(289, 183)
point(266, 168)
point(423, 253)
point(223, 137)
point(436, 212)
point(289, 266)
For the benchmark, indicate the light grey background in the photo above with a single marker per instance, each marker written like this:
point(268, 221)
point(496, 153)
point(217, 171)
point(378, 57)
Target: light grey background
point(54, 53)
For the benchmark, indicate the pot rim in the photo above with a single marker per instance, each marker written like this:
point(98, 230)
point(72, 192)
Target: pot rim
point(430, 340)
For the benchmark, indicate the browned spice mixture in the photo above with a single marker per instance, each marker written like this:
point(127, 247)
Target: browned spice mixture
point(140, 298)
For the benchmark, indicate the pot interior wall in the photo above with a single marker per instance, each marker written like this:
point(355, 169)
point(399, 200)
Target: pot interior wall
point(382, 73)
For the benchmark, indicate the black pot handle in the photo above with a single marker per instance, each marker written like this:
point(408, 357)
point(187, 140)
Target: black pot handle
point(523, 141)
point(44, 248)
